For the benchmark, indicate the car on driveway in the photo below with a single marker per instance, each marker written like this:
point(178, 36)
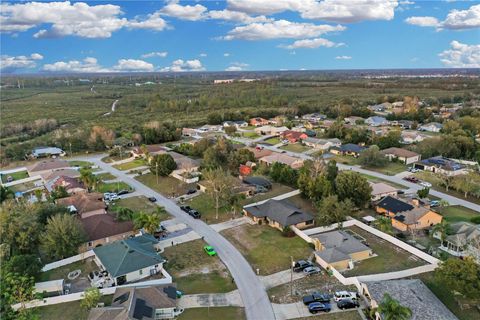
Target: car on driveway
point(311, 270)
point(185, 209)
point(122, 192)
point(300, 265)
point(434, 203)
point(426, 184)
point(194, 214)
point(316, 297)
point(341, 295)
point(152, 199)
point(347, 304)
point(191, 191)
point(210, 251)
point(318, 306)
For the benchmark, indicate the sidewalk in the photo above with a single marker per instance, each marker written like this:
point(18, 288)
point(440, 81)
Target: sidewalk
point(230, 224)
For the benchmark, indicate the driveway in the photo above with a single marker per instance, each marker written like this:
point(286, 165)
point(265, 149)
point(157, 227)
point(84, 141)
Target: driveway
point(299, 310)
point(252, 291)
point(232, 298)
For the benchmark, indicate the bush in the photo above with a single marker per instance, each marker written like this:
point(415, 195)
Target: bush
point(475, 220)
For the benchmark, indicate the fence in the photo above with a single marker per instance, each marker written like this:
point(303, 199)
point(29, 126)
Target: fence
point(64, 262)
point(29, 179)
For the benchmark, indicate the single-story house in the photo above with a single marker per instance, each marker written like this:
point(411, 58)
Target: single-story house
point(71, 185)
point(431, 127)
point(340, 249)
point(463, 240)
point(236, 124)
point(322, 144)
point(441, 165)
point(411, 293)
point(293, 162)
point(353, 120)
point(293, 136)
point(140, 303)
point(348, 149)
point(189, 132)
point(314, 117)
point(103, 228)
point(261, 184)
point(390, 206)
point(152, 149)
point(404, 155)
point(279, 214)
point(257, 122)
point(416, 219)
point(238, 187)
point(46, 167)
point(381, 190)
point(405, 124)
point(210, 128)
point(377, 107)
point(260, 152)
point(42, 152)
point(130, 259)
point(409, 137)
point(278, 120)
point(84, 204)
point(377, 121)
point(270, 130)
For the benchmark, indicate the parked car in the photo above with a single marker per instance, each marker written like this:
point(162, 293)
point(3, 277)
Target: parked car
point(194, 214)
point(413, 170)
point(347, 304)
point(152, 199)
point(122, 192)
point(311, 270)
point(301, 264)
point(318, 306)
point(434, 203)
point(210, 251)
point(316, 297)
point(106, 195)
point(185, 209)
point(114, 196)
point(341, 295)
point(426, 184)
point(411, 179)
point(191, 191)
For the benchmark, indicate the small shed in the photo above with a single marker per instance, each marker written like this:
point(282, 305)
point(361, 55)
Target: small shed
point(50, 288)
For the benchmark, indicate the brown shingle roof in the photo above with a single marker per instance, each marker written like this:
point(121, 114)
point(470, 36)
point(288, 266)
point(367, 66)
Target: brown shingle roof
point(101, 226)
point(260, 153)
point(84, 202)
point(50, 164)
point(68, 183)
point(399, 152)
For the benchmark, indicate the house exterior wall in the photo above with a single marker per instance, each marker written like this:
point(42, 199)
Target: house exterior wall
point(362, 255)
point(142, 273)
point(165, 313)
point(428, 220)
point(382, 195)
point(399, 225)
point(384, 211)
point(92, 244)
point(340, 265)
point(304, 225)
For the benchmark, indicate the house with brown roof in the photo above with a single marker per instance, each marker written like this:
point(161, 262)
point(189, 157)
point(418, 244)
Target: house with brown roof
point(294, 163)
point(381, 190)
point(85, 204)
point(104, 228)
point(270, 130)
point(293, 136)
point(71, 185)
point(257, 122)
point(46, 167)
point(404, 155)
point(152, 149)
point(416, 219)
point(260, 152)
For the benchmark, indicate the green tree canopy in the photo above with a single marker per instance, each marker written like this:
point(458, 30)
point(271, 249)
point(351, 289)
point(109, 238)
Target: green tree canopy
point(63, 235)
point(24, 264)
point(372, 157)
point(391, 309)
point(331, 210)
point(150, 222)
point(91, 299)
point(162, 164)
point(352, 185)
point(461, 275)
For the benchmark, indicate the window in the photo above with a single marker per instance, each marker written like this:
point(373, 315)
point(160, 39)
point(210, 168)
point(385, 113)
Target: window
point(140, 272)
point(309, 222)
point(90, 243)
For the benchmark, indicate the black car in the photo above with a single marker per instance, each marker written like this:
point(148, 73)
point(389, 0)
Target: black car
point(191, 191)
point(122, 192)
point(195, 214)
point(316, 297)
point(152, 199)
point(347, 304)
point(301, 264)
point(186, 209)
point(318, 306)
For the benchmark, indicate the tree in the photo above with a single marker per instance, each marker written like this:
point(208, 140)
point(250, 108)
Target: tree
point(331, 210)
point(238, 157)
point(461, 275)
point(391, 309)
point(352, 185)
point(89, 179)
point(230, 130)
point(91, 298)
point(466, 183)
point(26, 264)
point(391, 139)
point(384, 224)
point(63, 235)
point(219, 184)
point(58, 193)
point(16, 288)
point(217, 156)
point(38, 194)
point(372, 157)
point(149, 221)
point(423, 193)
point(441, 229)
point(47, 210)
point(5, 193)
point(162, 164)
point(124, 214)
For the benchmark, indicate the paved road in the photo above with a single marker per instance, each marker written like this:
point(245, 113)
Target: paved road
point(252, 291)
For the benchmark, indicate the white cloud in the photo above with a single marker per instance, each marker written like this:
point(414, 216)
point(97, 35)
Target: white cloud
point(226, 54)
point(343, 57)
point(237, 66)
point(312, 43)
point(203, 55)
point(268, 7)
point(11, 64)
point(279, 29)
point(461, 56)
point(133, 65)
point(161, 54)
point(236, 16)
point(71, 19)
point(182, 66)
point(191, 13)
point(455, 20)
point(90, 65)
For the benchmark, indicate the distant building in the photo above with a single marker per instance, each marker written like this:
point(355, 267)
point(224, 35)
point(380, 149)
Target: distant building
point(44, 152)
point(431, 127)
point(441, 165)
point(314, 117)
point(404, 155)
point(353, 120)
point(322, 144)
point(270, 130)
point(381, 190)
point(257, 122)
point(222, 81)
point(348, 149)
point(293, 136)
point(376, 121)
point(84, 204)
point(294, 163)
point(409, 137)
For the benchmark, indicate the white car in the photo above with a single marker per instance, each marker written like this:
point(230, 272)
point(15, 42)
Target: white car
point(341, 295)
point(426, 184)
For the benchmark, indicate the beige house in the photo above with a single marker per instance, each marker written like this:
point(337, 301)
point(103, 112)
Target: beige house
point(416, 219)
point(381, 190)
point(270, 130)
point(404, 155)
point(152, 149)
point(322, 144)
point(85, 204)
point(463, 240)
point(293, 162)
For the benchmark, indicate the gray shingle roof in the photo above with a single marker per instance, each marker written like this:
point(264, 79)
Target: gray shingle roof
point(281, 211)
point(341, 242)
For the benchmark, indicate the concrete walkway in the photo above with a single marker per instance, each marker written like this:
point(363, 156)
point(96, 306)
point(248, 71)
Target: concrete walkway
point(279, 278)
point(230, 224)
point(230, 299)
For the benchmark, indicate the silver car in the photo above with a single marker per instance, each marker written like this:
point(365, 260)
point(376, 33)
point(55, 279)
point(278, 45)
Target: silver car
point(311, 270)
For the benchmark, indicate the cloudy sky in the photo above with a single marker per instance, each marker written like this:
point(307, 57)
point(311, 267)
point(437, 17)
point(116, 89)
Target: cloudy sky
point(236, 35)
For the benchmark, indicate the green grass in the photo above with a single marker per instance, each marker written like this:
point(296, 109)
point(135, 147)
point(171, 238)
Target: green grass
point(130, 165)
point(265, 247)
point(389, 257)
point(106, 176)
point(273, 141)
point(79, 163)
point(295, 147)
point(61, 273)
point(250, 135)
point(137, 204)
point(390, 168)
point(167, 186)
point(212, 282)
point(15, 176)
point(206, 206)
point(349, 315)
point(277, 189)
point(457, 213)
point(113, 187)
point(217, 313)
point(68, 310)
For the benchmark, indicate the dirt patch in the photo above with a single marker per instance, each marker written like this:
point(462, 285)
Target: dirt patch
point(242, 237)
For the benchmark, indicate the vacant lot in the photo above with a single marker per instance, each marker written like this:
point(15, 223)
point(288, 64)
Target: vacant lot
point(390, 168)
point(273, 141)
point(15, 176)
point(277, 189)
point(250, 135)
point(168, 186)
point(457, 213)
point(265, 247)
point(81, 164)
point(113, 187)
point(68, 310)
point(223, 313)
point(206, 206)
point(105, 176)
point(131, 165)
point(137, 204)
point(295, 147)
point(196, 272)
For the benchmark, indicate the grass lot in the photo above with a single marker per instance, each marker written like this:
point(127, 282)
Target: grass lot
point(22, 187)
point(295, 147)
point(196, 272)
point(447, 297)
point(137, 204)
point(277, 189)
point(106, 176)
point(15, 176)
point(390, 168)
point(113, 187)
point(273, 141)
point(389, 257)
point(250, 135)
point(349, 315)
point(68, 310)
point(265, 247)
point(167, 186)
point(348, 160)
point(78, 163)
point(457, 213)
point(218, 313)
point(130, 165)
point(61, 273)
point(206, 206)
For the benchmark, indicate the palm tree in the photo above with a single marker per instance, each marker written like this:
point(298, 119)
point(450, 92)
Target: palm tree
point(89, 179)
point(384, 224)
point(148, 221)
point(441, 229)
point(391, 309)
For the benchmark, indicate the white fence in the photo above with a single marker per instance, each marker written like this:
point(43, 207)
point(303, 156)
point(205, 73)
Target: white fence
point(13, 170)
point(64, 262)
point(29, 179)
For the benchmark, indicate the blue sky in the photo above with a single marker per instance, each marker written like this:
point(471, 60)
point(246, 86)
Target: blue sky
point(235, 35)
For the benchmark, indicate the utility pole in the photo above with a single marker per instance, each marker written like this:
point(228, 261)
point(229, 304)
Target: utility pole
point(71, 153)
point(291, 276)
point(156, 171)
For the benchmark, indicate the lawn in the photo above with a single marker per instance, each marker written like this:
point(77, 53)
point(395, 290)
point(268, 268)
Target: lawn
point(131, 165)
point(81, 164)
point(295, 147)
point(273, 141)
point(106, 176)
point(26, 186)
point(15, 176)
point(390, 168)
point(277, 189)
point(167, 186)
point(389, 257)
point(206, 206)
point(68, 310)
point(196, 272)
point(265, 247)
point(217, 313)
point(137, 204)
point(113, 187)
point(348, 160)
point(250, 135)
point(85, 266)
point(457, 213)
point(349, 315)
